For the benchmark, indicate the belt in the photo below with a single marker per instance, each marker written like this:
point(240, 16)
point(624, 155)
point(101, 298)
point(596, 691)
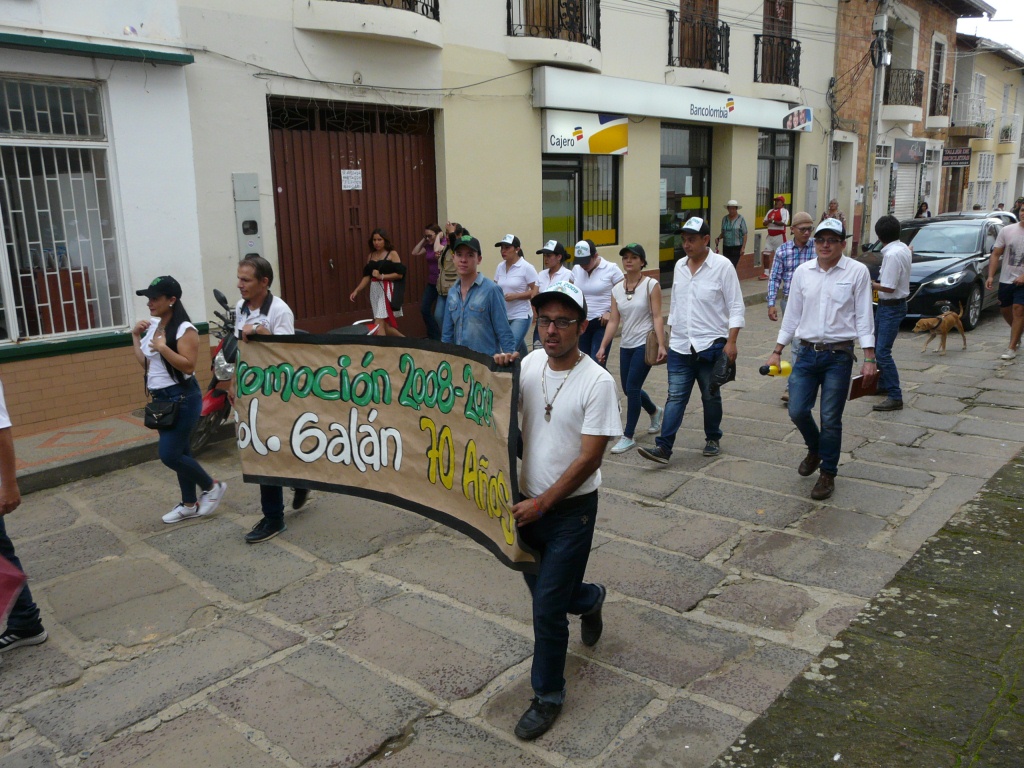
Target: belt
point(891, 302)
point(828, 346)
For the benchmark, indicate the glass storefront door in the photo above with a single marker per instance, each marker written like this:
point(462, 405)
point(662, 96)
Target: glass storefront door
point(685, 188)
point(559, 205)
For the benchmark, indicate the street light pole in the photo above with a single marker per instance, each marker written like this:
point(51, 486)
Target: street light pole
point(880, 59)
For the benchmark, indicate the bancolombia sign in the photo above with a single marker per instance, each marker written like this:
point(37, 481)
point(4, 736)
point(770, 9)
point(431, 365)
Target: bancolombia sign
point(425, 426)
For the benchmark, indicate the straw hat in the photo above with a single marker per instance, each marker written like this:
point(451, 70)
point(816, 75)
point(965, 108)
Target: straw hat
point(733, 204)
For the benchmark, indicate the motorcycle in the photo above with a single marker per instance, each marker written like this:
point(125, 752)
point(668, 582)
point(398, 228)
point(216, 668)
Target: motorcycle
point(216, 403)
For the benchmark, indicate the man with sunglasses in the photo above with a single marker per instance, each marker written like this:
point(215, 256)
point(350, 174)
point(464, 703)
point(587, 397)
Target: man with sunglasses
point(569, 409)
point(788, 257)
point(829, 310)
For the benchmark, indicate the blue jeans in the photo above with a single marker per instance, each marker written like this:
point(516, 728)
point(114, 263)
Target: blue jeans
point(174, 442)
point(590, 339)
point(440, 310)
point(563, 537)
point(887, 325)
point(632, 373)
point(427, 310)
point(829, 372)
point(520, 326)
point(24, 615)
point(683, 370)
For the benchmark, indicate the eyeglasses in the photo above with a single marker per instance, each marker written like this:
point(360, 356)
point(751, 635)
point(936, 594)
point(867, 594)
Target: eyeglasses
point(561, 323)
point(831, 242)
point(803, 229)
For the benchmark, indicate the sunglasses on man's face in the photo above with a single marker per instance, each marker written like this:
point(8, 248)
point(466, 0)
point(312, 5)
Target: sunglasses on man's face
point(831, 242)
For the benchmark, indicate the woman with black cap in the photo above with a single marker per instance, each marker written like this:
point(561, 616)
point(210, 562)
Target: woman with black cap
point(167, 346)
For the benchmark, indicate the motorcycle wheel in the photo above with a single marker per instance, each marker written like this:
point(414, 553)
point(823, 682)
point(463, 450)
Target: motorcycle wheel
point(203, 431)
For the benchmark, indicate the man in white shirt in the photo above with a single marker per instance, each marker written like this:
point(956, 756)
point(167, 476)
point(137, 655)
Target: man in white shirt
point(23, 624)
point(706, 315)
point(261, 313)
point(1011, 282)
point(569, 410)
point(829, 308)
point(893, 286)
point(596, 278)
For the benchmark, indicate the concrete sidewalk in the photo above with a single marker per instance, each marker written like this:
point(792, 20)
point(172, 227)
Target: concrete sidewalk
point(366, 634)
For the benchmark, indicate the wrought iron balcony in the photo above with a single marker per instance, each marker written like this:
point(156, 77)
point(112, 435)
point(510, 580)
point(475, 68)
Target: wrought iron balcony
point(578, 21)
point(939, 104)
point(700, 44)
point(427, 8)
point(776, 60)
point(904, 87)
point(1009, 129)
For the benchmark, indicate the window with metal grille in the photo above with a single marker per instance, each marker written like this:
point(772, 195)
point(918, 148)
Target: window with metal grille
point(582, 189)
point(61, 274)
point(774, 169)
point(986, 166)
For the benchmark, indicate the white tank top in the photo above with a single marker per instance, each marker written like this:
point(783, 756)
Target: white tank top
point(634, 313)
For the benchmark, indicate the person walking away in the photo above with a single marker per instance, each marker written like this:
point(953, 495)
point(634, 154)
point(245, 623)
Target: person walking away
point(706, 314)
point(475, 316)
point(776, 221)
point(568, 407)
point(636, 306)
point(382, 270)
point(595, 277)
point(518, 282)
point(261, 313)
point(1011, 281)
point(788, 257)
point(427, 248)
point(24, 626)
point(733, 234)
point(829, 308)
point(167, 346)
point(893, 287)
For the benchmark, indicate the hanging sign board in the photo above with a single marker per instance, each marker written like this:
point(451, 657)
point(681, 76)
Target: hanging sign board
point(585, 133)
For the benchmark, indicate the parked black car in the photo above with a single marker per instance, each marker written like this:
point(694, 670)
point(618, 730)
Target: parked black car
point(950, 266)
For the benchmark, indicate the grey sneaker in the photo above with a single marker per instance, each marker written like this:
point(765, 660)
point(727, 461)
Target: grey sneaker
point(656, 419)
point(711, 448)
point(654, 454)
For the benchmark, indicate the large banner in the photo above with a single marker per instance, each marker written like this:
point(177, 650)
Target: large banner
point(425, 426)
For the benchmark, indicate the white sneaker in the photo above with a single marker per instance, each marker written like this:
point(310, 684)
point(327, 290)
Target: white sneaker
point(1008, 354)
point(656, 420)
point(181, 512)
point(624, 444)
point(209, 500)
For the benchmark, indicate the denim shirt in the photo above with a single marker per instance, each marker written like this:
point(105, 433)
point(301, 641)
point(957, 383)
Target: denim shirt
point(478, 322)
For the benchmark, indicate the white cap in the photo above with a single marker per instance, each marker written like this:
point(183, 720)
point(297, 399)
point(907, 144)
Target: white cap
point(583, 250)
point(508, 240)
point(831, 225)
point(562, 288)
point(697, 225)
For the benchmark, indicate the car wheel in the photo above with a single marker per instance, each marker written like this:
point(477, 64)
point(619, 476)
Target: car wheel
point(972, 312)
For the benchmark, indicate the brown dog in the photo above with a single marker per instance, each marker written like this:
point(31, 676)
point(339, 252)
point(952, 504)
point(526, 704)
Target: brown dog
point(941, 326)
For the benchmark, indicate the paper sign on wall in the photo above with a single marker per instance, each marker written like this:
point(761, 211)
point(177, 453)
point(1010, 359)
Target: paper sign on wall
point(352, 179)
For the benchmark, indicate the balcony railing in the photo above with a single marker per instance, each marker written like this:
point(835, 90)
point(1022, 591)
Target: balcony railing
point(698, 44)
point(939, 106)
point(578, 21)
point(969, 110)
point(427, 8)
point(776, 60)
point(904, 87)
point(1009, 129)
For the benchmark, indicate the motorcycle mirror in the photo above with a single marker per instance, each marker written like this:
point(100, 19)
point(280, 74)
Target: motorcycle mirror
point(221, 298)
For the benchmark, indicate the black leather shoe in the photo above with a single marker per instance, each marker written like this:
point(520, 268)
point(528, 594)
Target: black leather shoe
point(537, 719)
point(592, 623)
point(300, 498)
point(809, 465)
point(889, 405)
point(824, 487)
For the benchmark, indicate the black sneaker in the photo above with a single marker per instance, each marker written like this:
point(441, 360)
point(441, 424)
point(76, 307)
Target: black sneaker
point(300, 498)
point(264, 530)
point(537, 719)
point(592, 623)
point(711, 448)
point(654, 454)
point(16, 638)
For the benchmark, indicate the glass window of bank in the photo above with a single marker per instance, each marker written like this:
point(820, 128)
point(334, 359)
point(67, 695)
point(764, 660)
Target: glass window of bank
point(774, 170)
point(580, 199)
point(685, 188)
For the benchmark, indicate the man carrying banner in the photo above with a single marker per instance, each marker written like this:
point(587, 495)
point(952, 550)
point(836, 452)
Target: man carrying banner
point(475, 316)
point(568, 406)
point(261, 313)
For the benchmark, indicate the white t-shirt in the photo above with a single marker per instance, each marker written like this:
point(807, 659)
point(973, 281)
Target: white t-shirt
point(516, 279)
point(5, 419)
point(634, 312)
point(1011, 239)
point(544, 278)
point(588, 404)
point(895, 271)
point(279, 318)
point(597, 286)
point(157, 376)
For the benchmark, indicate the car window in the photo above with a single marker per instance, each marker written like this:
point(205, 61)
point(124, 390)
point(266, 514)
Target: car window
point(990, 238)
point(947, 239)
